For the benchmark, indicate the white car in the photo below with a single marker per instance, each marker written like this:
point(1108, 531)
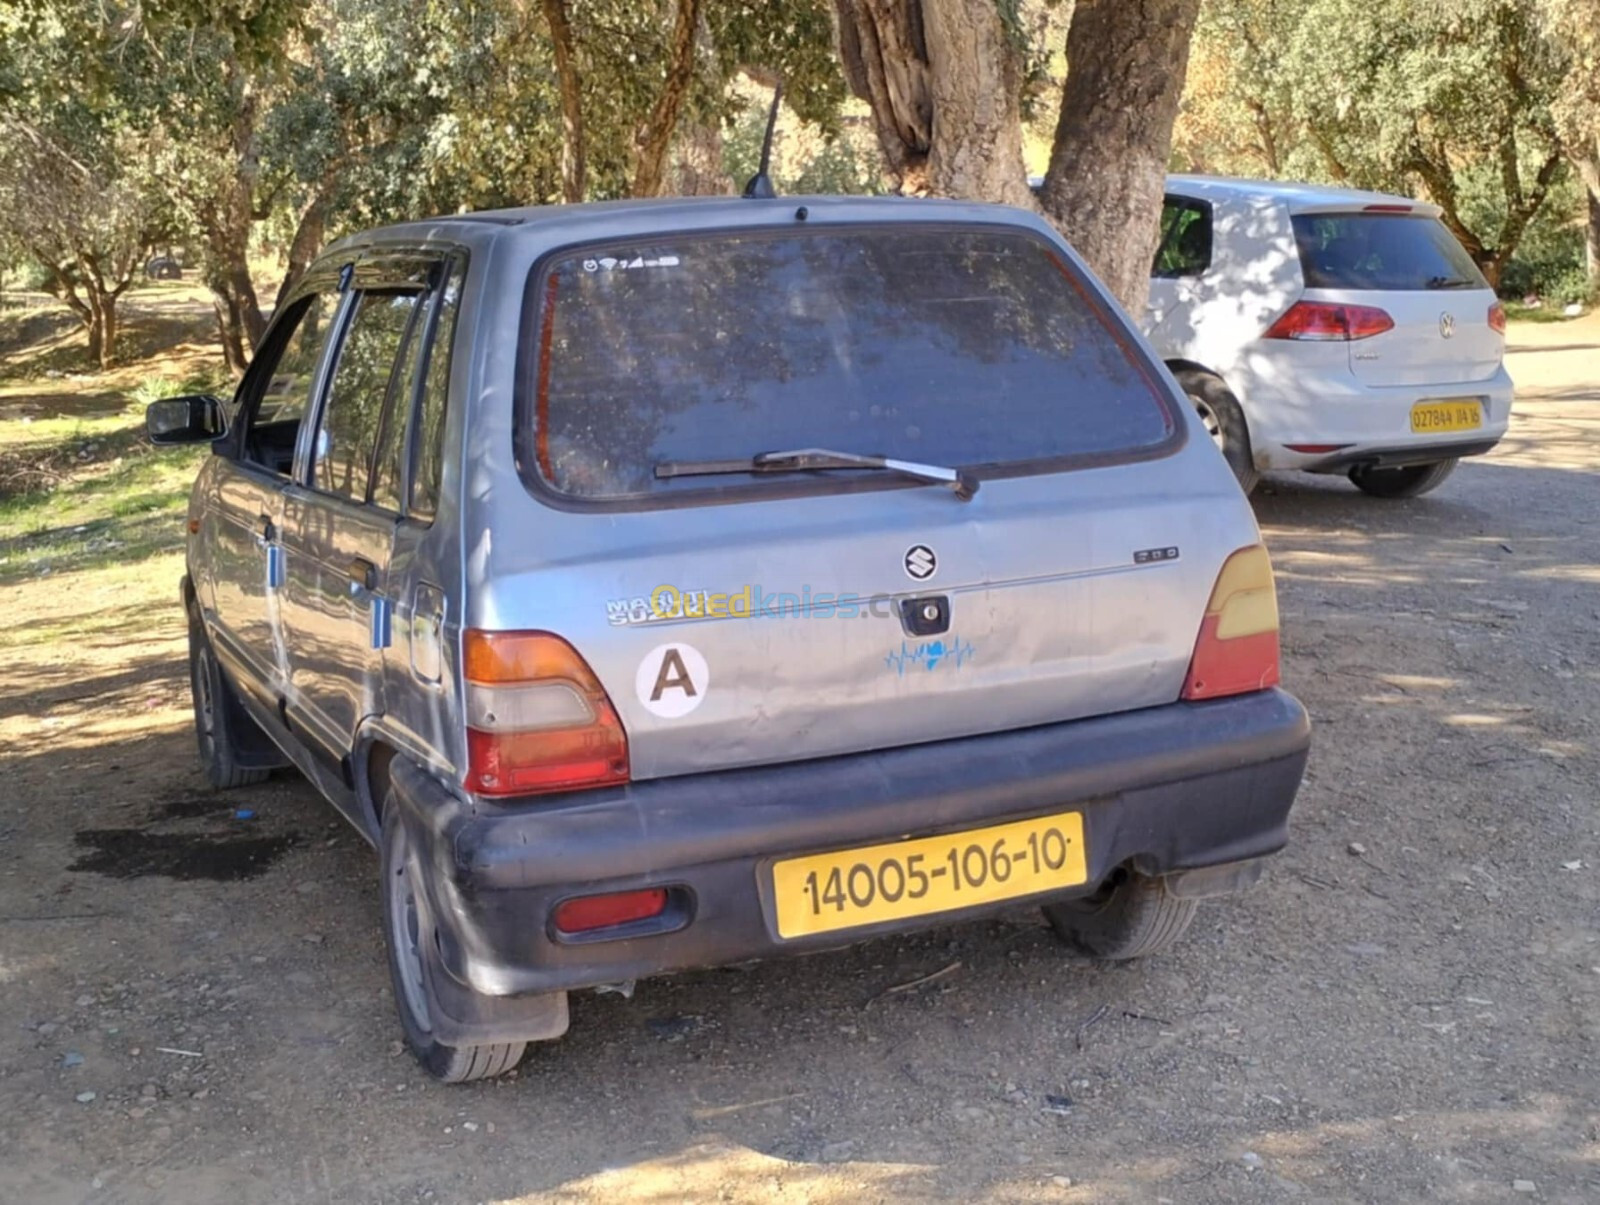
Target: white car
point(1328, 330)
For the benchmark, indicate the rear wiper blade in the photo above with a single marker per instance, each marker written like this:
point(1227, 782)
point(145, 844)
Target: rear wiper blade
point(1450, 282)
point(962, 485)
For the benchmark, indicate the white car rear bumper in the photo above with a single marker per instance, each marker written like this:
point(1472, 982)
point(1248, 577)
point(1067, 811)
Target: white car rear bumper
point(1326, 423)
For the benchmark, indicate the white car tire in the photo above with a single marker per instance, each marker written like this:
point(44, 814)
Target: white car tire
point(1224, 419)
point(1411, 481)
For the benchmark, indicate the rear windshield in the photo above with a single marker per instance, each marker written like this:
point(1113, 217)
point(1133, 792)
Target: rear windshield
point(964, 347)
point(1392, 251)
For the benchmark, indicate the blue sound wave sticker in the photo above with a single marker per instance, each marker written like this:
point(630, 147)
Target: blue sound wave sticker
point(929, 655)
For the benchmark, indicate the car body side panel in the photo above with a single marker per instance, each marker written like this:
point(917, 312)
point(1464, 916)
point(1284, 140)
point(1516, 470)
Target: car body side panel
point(1254, 276)
point(234, 577)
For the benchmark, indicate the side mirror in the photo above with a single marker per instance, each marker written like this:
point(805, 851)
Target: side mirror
point(196, 418)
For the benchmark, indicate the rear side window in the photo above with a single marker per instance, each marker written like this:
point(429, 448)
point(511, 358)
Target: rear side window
point(974, 347)
point(1185, 247)
point(1382, 251)
point(428, 465)
point(368, 359)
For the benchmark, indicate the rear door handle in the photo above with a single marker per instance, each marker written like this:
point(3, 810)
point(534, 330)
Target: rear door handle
point(363, 574)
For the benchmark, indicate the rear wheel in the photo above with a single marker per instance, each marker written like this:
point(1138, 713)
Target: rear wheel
point(1129, 916)
point(405, 928)
point(1224, 421)
point(1411, 481)
point(218, 717)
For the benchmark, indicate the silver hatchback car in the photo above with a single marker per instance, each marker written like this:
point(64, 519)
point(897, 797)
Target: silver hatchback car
point(668, 584)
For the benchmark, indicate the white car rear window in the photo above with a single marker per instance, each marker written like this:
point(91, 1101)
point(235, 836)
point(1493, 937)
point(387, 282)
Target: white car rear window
point(1382, 251)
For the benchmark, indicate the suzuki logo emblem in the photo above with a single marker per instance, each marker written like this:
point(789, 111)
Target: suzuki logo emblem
point(921, 564)
point(1447, 325)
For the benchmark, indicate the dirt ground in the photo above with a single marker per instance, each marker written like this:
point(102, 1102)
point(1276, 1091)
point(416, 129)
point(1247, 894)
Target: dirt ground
point(1408, 1008)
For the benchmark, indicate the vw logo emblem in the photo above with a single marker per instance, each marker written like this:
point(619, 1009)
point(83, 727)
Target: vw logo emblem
point(1447, 325)
point(921, 564)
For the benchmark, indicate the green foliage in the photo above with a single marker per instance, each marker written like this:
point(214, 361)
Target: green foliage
point(804, 163)
point(1410, 96)
point(160, 385)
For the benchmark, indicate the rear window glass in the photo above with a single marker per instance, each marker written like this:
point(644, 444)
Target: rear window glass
point(1390, 251)
point(972, 348)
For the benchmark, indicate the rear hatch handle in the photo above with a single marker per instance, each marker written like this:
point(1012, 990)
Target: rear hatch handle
point(962, 484)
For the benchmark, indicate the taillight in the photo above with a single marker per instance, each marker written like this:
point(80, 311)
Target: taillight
point(1237, 650)
point(1327, 321)
point(537, 717)
point(588, 912)
point(1497, 318)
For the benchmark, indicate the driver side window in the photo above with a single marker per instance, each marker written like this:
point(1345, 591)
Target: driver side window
point(283, 385)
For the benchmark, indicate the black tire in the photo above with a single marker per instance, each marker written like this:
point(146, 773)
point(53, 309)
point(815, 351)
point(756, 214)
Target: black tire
point(1412, 481)
point(1128, 917)
point(1225, 422)
point(218, 717)
point(405, 924)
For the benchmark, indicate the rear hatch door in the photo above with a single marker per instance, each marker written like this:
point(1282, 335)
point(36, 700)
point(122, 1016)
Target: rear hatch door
point(754, 616)
point(1412, 268)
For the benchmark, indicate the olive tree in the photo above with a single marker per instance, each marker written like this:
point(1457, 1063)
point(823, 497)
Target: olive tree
point(946, 80)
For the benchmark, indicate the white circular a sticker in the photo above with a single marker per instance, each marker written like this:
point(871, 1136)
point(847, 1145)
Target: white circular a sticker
point(672, 680)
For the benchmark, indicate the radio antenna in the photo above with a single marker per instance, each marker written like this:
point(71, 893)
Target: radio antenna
point(760, 184)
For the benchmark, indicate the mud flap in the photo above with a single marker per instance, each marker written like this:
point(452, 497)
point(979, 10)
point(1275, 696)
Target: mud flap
point(463, 1017)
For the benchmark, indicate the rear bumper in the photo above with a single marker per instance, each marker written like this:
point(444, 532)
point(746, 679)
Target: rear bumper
point(1398, 457)
point(1286, 409)
point(1166, 790)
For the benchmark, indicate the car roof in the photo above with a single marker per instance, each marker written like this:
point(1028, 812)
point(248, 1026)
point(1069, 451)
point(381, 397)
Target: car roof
point(1301, 198)
point(558, 223)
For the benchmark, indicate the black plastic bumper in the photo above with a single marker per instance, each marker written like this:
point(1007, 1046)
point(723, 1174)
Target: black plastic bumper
point(1394, 458)
point(1164, 790)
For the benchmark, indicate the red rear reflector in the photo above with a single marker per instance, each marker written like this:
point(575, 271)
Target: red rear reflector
point(1327, 322)
point(1315, 449)
point(1392, 208)
point(602, 911)
point(1237, 649)
point(1497, 318)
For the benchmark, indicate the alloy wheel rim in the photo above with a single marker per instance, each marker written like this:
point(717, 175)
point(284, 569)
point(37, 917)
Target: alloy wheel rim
point(1208, 417)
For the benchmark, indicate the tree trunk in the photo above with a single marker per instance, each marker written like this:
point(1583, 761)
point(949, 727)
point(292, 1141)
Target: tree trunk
point(574, 155)
point(1126, 65)
point(650, 170)
point(97, 335)
point(885, 60)
point(1592, 241)
point(976, 88)
point(1589, 172)
point(944, 83)
point(308, 236)
point(108, 330)
point(697, 167)
point(227, 217)
point(230, 331)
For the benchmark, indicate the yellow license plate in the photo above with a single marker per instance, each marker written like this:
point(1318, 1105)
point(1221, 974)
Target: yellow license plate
point(1446, 416)
point(824, 892)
